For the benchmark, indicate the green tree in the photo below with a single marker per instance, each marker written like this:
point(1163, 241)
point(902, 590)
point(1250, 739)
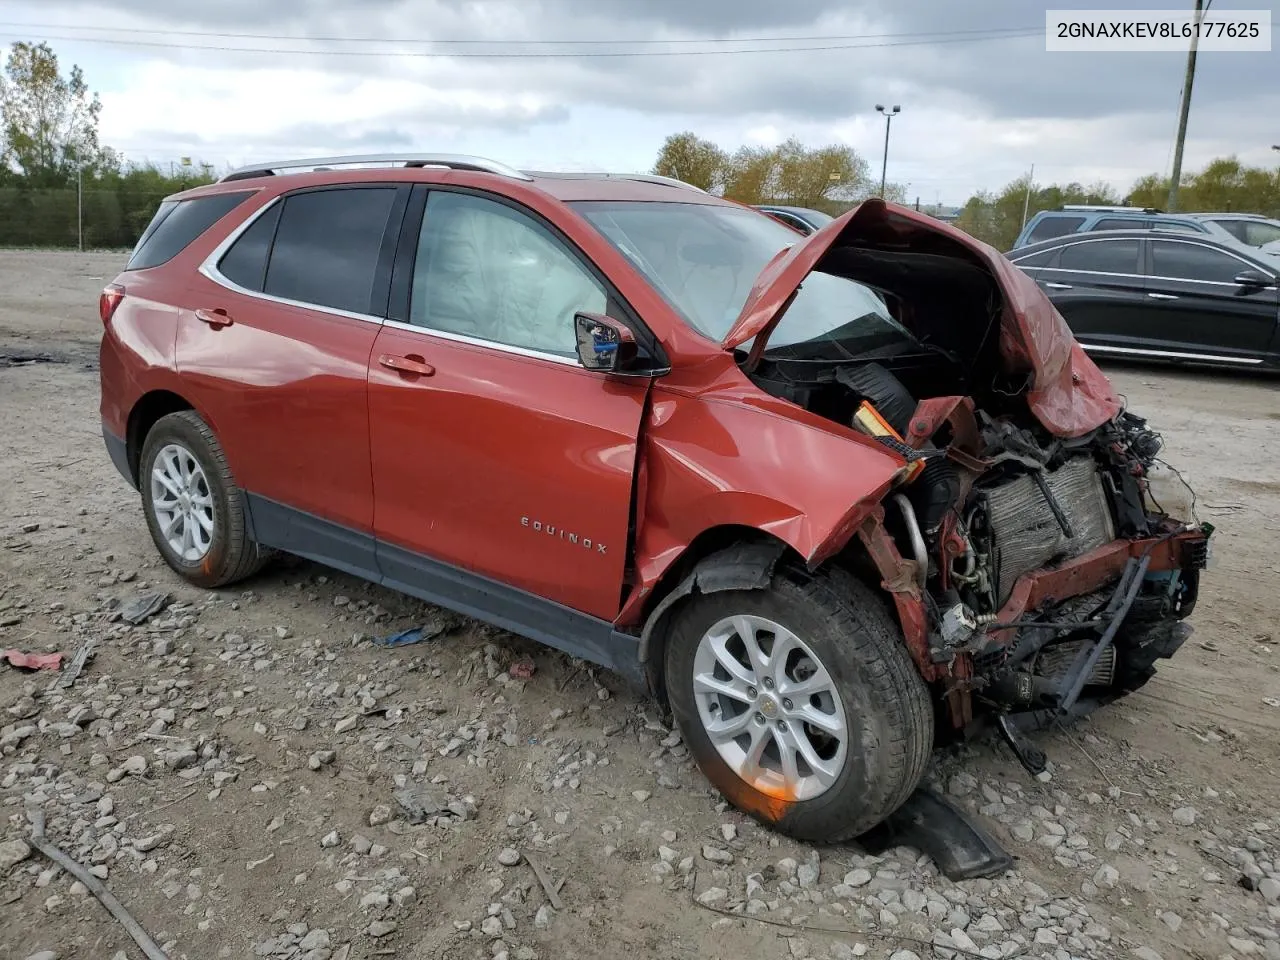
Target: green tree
point(1225, 185)
point(751, 174)
point(998, 218)
point(49, 122)
point(810, 177)
point(687, 157)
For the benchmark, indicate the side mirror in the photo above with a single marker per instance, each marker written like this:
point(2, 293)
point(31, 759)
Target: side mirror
point(1252, 279)
point(605, 345)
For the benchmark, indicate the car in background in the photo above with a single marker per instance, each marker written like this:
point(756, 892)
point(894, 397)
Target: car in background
point(1245, 229)
point(803, 219)
point(1174, 298)
point(1251, 229)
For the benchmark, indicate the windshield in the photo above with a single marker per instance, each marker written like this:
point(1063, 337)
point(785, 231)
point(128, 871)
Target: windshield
point(1255, 233)
point(703, 259)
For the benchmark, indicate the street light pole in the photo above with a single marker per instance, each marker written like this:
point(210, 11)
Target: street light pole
point(888, 119)
point(1201, 8)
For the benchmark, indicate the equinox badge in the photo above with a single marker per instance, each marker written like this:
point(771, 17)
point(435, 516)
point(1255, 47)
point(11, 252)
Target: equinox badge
point(539, 527)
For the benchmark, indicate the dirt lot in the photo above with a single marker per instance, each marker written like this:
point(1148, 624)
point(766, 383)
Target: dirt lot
point(231, 766)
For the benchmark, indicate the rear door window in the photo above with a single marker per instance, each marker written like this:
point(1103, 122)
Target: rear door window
point(1102, 256)
point(1193, 261)
point(327, 247)
point(1051, 227)
point(177, 223)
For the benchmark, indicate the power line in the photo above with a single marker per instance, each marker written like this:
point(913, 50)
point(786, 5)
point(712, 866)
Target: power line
point(991, 31)
point(556, 55)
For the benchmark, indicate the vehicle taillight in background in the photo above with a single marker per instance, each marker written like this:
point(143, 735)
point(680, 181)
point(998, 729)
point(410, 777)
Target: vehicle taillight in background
point(111, 296)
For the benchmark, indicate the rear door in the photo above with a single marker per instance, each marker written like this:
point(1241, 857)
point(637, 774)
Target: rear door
point(496, 457)
point(1098, 287)
point(275, 350)
point(1199, 308)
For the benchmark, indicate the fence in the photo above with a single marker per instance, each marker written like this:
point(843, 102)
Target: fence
point(64, 217)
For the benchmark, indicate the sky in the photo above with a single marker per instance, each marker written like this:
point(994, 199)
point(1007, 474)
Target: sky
point(244, 81)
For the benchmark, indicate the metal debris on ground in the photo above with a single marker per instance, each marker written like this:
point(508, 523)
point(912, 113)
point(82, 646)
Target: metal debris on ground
point(142, 608)
point(418, 803)
point(33, 661)
point(522, 669)
point(95, 886)
point(77, 663)
point(426, 631)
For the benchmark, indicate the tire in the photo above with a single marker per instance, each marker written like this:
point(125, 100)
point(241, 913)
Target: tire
point(886, 707)
point(228, 554)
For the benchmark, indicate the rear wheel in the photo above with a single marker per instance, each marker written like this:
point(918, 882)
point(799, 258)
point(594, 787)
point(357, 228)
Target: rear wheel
point(800, 702)
point(194, 510)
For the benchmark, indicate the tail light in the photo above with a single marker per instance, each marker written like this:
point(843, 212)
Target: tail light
point(111, 296)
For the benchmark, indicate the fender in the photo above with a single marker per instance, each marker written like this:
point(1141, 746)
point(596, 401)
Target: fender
point(713, 461)
point(742, 566)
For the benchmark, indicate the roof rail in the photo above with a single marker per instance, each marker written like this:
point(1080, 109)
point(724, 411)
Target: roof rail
point(591, 175)
point(452, 161)
point(1109, 208)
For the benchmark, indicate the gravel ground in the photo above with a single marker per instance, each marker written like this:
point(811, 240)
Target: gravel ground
point(252, 776)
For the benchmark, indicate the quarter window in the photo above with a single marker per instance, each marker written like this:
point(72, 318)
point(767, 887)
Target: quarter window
point(1045, 258)
point(488, 271)
point(177, 223)
point(1192, 261)
point(1102, 256)
point(327, 247)
point(245, 263)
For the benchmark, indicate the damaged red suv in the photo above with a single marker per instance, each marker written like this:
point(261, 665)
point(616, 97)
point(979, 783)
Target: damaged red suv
point(832, 497)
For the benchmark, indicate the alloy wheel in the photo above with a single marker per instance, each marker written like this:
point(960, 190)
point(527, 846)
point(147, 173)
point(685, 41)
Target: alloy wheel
point(182, 502)
point(770, 707)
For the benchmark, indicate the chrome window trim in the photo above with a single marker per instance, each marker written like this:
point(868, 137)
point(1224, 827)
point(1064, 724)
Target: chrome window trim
point(481, 342)
point(1102, 348)
point(209, 268)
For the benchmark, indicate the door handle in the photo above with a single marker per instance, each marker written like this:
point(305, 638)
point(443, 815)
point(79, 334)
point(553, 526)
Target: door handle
point(1057, 286)
point(413, 365)
point(1162, 296)
point(216, 318)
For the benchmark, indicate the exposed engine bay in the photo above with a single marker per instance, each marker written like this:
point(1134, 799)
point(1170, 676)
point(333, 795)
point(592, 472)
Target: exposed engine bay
point(992, 501)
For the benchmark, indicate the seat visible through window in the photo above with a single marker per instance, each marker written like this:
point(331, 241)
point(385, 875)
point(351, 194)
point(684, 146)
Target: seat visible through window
point(488, 271)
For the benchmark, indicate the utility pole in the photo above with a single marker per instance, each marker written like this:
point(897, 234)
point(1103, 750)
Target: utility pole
point(888, 118)
point(80, 206)
point(1026, 202)
point(1202, 7)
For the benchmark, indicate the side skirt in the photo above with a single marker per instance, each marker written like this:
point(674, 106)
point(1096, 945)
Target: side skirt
point(360, 554)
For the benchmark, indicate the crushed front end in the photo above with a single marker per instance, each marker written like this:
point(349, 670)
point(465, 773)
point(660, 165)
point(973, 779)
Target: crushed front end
point(1041, 556)
point(1059, 578)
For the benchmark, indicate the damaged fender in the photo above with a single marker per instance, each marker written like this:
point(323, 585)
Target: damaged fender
point(743, 566)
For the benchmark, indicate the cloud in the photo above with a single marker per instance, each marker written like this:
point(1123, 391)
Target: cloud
point(977, 107)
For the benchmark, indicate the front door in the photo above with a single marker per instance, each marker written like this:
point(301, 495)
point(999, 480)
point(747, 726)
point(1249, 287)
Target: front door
point(1198, 308)
point(495, 455)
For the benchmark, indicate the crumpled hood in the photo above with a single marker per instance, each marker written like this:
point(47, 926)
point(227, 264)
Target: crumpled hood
point(1068, 394)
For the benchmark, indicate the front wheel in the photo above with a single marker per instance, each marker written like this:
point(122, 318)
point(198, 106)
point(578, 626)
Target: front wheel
point(800, 702)
point(194, 509)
